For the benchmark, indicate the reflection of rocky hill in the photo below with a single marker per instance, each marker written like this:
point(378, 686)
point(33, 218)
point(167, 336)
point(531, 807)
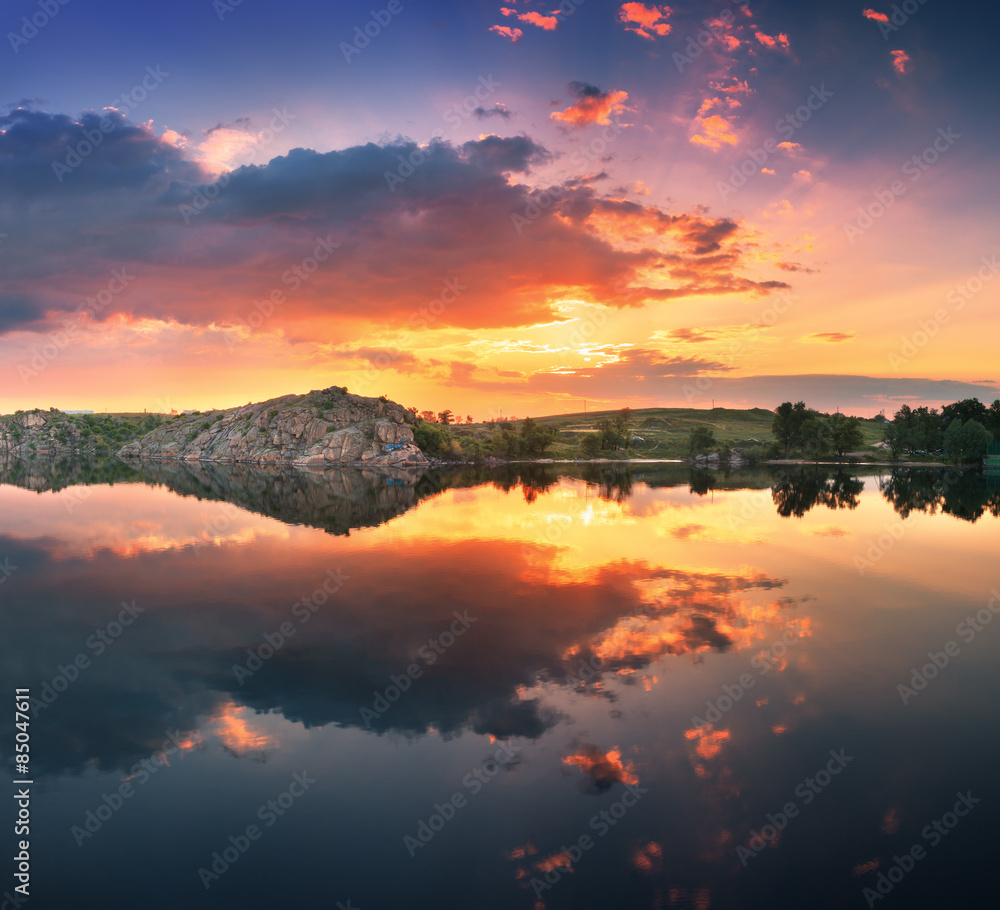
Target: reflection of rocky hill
point(45, 474)
point(335, 499)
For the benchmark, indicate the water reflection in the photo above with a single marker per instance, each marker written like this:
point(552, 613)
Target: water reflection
point(640, 653)
point(967, 495)
point(796, 491)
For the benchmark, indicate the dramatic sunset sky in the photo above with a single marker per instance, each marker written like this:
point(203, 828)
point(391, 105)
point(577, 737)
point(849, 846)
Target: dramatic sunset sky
point(480, 206)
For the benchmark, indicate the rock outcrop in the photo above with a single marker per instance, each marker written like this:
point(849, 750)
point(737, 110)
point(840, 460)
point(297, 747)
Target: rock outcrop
point(323, 427)
point(27, 434)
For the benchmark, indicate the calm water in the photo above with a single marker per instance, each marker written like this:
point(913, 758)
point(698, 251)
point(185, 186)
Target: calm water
point(589, 688)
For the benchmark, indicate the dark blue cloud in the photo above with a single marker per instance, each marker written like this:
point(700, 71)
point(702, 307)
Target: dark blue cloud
point(18, 311)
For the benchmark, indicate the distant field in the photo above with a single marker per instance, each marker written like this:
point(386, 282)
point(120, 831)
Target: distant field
point(665, 431)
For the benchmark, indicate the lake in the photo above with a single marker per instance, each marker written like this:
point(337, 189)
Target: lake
point(546, 686)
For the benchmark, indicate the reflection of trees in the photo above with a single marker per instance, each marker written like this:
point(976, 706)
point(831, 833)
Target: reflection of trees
point(702, 481)
point(796, 491)
point(43, 474)
point(615, 480)
point(965, 494)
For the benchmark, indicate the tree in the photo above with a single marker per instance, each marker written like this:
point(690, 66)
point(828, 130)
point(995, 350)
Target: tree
point(701, 440)
point(993, 419)
point(428, 416)
point(965, 410)
point(622, 419)
point(434, 440)
point(966, 441)
point(895, 438)
point(445, 417)
point(535, 439)
point(845, 433)
point(468, 418)
point(787, 423)
point(813, 435)
point(590, 445)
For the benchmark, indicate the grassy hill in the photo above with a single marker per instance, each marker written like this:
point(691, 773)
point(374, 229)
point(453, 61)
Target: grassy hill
point(664, 431)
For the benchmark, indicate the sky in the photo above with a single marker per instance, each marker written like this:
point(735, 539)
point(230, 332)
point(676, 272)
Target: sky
point(497, 209)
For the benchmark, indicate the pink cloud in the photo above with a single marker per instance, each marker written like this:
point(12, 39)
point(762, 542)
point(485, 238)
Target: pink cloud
point(513, 33)
point(899, 61)
point(714, 132)
point(646, 21)
point(773, 42)
point(878, 17)
point(545, 22)
point(592, 106)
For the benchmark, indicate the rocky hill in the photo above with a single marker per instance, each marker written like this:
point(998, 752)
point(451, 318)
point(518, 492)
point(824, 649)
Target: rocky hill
point(53, 433)
point(329, 426)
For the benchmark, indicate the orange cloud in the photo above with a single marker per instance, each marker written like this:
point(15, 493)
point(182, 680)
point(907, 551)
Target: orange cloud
point(513, 33)
point(899, 61)
point(647, 21)
point(830, 337)
point(554, 862)
point(735, 87)
point(592, 106)
point(773, 42)
point(604, 770)
point(872, 14)
point(789, 146)
point(236, 733)
point(647, 859)
point(715, 131)
point(546, 22)
point(708, 741)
